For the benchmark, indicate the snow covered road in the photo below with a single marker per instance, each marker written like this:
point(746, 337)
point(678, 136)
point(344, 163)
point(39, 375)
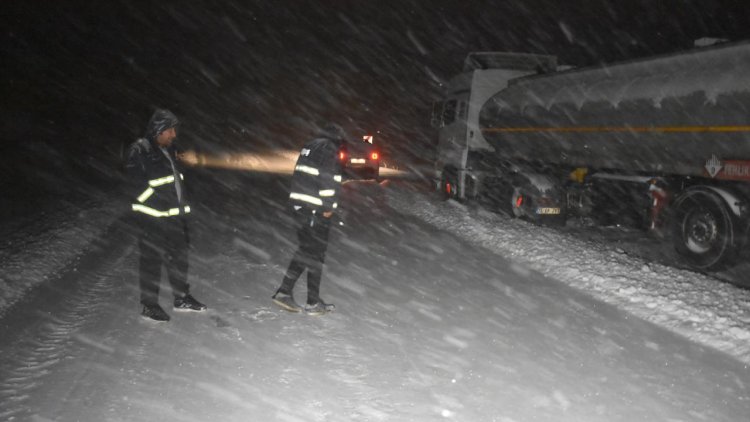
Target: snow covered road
point(429, 326)
point(695, 305)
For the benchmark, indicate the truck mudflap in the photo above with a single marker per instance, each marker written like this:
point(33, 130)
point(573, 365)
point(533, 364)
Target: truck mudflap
point(456, 184)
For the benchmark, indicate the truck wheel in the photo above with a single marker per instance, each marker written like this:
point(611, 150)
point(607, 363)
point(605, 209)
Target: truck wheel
point(703, 230)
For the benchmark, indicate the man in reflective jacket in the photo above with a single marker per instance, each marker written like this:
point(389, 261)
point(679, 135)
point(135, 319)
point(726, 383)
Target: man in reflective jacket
point(159, 204)
point(315, 186)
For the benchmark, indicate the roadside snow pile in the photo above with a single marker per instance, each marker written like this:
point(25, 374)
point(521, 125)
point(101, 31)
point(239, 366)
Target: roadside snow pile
point(41, 246)
point(694, 305)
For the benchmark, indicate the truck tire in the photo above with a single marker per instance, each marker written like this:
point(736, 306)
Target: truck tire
point(703, 230)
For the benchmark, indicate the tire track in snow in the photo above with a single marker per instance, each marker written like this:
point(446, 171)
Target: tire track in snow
point(350, 370)
point(40, 331)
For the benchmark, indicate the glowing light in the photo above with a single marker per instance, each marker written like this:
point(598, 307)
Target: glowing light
point(389, 172)
point(278, 162)
point(374, 156)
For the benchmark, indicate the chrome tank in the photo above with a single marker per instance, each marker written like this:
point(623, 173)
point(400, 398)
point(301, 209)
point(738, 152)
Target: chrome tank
point(667, 114)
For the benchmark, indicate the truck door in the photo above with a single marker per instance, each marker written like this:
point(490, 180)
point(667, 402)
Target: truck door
point(452, 142)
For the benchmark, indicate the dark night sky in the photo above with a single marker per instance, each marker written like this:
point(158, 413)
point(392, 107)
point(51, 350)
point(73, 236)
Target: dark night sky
point(79, 79)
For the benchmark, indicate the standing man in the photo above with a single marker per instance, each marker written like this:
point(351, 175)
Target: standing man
point(315, 186)
point(160, 206)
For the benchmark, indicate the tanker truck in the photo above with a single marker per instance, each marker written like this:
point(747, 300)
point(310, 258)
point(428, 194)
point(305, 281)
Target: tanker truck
point(665, 139)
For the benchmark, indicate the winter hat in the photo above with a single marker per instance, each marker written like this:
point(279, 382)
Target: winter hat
point(161, 120)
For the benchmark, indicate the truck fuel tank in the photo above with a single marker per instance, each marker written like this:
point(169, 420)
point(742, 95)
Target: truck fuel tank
point(668, 114)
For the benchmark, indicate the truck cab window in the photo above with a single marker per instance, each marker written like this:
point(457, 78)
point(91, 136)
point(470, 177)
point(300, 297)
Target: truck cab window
point(449, 112)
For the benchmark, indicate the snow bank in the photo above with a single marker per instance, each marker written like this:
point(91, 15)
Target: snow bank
point(696, 306)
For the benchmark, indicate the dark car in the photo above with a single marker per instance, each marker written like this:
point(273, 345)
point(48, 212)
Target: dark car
point(360, 159)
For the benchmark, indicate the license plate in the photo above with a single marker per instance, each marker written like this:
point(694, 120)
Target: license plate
point(358, 161)
point(548, 210)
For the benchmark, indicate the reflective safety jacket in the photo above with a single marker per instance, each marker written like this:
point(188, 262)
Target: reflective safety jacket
point(157, 185)
point(317, 176)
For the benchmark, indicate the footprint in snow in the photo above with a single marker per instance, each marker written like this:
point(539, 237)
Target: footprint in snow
point(262, 314)
point(220, 322)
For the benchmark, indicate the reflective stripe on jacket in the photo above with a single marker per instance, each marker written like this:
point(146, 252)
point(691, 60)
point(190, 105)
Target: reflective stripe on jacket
point(166, 182)
point(317, 176)
point(151, 176)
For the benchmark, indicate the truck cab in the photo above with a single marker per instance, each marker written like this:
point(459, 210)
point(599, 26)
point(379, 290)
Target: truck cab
point(457, 174)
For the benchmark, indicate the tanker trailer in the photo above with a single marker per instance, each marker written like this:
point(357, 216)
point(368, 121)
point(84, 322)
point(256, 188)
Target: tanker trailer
point(675, 128)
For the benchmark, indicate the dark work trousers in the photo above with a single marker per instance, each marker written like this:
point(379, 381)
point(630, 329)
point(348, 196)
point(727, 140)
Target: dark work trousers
point(312, 234)
point(163, 241)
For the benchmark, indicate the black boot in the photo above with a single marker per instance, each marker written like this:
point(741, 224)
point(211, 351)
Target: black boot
point(188, 303)
point(286, 302)
point(319, 308)
point(154, 312)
